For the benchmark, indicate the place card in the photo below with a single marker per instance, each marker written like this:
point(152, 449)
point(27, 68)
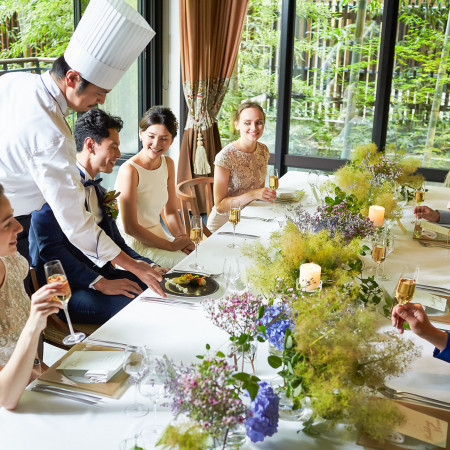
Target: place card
point(423, 427)
point(432, 301)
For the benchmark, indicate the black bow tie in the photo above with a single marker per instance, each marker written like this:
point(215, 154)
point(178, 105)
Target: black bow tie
point(92, 182)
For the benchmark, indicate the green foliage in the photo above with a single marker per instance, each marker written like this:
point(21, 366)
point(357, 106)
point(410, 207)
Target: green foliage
point(45, 27)
point(289, 248)
point(183, 436)
point(337, 358)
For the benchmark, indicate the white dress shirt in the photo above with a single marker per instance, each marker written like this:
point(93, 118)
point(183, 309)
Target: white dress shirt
point(38, 161)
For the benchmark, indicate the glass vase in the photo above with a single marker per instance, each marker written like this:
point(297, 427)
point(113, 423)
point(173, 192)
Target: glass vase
point(242, 360)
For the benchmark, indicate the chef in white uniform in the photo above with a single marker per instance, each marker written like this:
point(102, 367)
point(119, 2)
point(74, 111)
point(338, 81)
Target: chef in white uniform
point(37, 150)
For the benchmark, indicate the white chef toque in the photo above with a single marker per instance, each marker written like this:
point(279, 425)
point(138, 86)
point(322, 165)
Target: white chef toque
point(108, 39)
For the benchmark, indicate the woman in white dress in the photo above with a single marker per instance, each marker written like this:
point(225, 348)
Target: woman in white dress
point(241, 166)
point(146, 183)
point(20, 326)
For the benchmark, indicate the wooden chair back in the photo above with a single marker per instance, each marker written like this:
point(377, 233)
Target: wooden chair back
point(188, 192)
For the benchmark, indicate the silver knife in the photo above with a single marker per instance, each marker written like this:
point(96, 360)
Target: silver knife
point(169, 302)
point(230, 233)
point(111, 344)
point(64, 395)
point(68, 391)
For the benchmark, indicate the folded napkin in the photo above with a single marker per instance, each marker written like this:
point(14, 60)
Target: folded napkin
point(97, 366)
point(290, 196)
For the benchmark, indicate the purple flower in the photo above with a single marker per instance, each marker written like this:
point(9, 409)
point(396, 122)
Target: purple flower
point(262, 419)
point(277, 319)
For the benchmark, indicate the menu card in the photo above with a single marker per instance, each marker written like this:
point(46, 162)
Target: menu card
point(95, 366)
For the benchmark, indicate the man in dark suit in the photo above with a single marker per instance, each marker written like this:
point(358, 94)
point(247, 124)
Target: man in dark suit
point(97, 292)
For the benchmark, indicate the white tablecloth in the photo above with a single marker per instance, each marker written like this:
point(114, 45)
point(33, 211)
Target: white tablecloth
point(51, 423)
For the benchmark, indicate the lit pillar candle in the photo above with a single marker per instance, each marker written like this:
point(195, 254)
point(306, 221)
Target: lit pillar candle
point(310, 276)
point(376, 215)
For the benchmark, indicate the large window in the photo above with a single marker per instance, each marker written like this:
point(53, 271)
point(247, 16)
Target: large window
point(333, 56)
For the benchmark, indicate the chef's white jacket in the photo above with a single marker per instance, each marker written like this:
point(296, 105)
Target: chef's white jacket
point(38, 161)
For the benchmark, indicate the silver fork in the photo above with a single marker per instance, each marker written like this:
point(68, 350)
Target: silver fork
point(206, 274)
point(401, 395)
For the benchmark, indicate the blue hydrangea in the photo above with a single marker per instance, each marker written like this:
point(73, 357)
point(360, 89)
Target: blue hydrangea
point(262, 419)
point(275, 331)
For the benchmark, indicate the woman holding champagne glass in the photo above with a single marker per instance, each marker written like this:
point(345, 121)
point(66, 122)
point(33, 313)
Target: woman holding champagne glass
point(20, 326)
point(241, 166)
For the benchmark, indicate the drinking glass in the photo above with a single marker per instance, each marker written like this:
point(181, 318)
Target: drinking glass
point(134, 365)
point(234, 217)
point(152, 386)
point(273, 179)
point(312, 179)
point(401, 196)
point(406, 286)
point(54, 273)
point(379, 253)
point(196, 236)
point(231, 273)
point(390, 242)
point(419, 197)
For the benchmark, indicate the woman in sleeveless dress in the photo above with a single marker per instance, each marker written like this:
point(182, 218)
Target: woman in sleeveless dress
point(241, 166)
point(146, 183)
point(20, 326)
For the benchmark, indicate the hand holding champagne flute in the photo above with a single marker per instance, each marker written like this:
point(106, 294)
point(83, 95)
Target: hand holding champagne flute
point(406, 285)
point(234, 218)
point(54, 273)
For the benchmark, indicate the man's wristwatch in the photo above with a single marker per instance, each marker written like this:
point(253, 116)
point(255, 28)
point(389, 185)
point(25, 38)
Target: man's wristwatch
point(37, 362)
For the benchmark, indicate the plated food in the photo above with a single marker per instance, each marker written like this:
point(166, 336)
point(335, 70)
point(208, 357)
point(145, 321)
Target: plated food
point(188, 284)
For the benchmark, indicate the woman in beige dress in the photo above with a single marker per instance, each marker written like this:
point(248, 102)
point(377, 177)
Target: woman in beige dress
point(241, 166)
point(20, 326)
point(146, 183)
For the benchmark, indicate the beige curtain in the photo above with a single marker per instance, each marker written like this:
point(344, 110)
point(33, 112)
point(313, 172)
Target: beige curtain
point(210, 36)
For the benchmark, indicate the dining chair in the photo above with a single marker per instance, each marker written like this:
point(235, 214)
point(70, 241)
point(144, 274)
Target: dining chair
point(189, 193)
point(57, 329)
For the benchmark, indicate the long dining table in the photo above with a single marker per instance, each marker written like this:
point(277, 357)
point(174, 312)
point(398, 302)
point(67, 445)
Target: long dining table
point(49, 422)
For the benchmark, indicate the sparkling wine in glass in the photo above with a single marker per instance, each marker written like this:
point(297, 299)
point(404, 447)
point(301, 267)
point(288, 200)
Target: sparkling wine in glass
point(273, 179)
point(54, 273)
point(196, 236)
point(134, 365)
point(419, 197)
point(379, 253)
point(234, 217)
point(406, 286)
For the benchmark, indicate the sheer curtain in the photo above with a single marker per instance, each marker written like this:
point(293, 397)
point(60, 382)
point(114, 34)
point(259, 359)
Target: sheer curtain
point(210, 36)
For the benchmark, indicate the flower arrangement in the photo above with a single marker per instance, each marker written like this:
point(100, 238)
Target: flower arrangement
point(291, 247)
point(335, 356)
point(210, 394)
point(236, 314)
point(340, 216)
point(371, 176)
point(110, 203)
point(206, 394)
point(262, 417)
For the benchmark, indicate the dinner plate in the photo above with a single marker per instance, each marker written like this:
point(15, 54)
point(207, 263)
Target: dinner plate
point(187, 290)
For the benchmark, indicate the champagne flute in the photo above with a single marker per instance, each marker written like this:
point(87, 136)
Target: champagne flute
point(419, 197)
point(54, 273)
point(406, 286)
point(390, 242)
point(379, 253)
point(133, 365)
point(273, 179)
point(152, 386)
point(196, 236)
point(234, 218)
point(312, 179)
